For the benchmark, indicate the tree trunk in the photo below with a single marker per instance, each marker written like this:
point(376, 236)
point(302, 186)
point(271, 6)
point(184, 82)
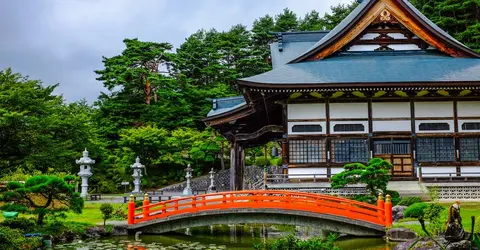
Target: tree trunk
point(148, 89)
point(40, 218)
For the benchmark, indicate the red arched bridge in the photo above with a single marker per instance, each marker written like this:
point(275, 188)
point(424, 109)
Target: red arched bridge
point(262, 206)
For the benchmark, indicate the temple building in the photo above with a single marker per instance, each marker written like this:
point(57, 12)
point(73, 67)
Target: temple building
point(386, 82)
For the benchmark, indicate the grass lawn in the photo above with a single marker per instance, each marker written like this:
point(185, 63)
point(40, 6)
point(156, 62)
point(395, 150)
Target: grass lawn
point(91, 213)
point(467, 210)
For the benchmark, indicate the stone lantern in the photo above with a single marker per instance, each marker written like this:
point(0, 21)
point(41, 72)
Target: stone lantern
point(137, 175)
point(85, 172)
point(188, 189)
point(212, 188)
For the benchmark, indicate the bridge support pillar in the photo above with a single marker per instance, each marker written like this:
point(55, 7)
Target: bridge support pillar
point(237, 163)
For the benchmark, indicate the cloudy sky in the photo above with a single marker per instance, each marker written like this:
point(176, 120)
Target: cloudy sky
point(63, 41)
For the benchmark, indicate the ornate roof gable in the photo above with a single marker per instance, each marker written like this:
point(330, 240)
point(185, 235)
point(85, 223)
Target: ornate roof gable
point(377, 25)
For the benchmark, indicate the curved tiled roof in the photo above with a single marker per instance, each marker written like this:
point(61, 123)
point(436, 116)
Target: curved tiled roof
point(372, 67)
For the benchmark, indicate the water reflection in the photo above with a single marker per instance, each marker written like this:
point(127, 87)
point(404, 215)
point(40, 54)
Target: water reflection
point(220, 237)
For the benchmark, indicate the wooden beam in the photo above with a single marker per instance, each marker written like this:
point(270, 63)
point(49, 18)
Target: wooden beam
point(404, 18)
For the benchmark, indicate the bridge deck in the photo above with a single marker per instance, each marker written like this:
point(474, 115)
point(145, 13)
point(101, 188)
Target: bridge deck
point(261, 200)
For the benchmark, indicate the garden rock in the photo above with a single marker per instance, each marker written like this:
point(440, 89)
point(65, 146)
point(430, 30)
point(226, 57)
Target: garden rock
point(461, 245)
point(424, 244)
point(119, 231)
point(95, 232)
point(400, 234)
point(397, 212)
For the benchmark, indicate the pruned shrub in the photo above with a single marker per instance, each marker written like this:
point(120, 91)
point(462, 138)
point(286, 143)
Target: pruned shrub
point(394, 196)
point(24, 225)
point(13, 239)
point(416, 210)
point(407, 201)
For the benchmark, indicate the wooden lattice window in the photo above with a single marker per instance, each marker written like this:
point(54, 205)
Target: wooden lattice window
point(435, 149)
point(306, 151)
point(434, 126)
point(349, 150)
point(469, 149)
point(471, 126)
point(349, 128)
point(310, 128)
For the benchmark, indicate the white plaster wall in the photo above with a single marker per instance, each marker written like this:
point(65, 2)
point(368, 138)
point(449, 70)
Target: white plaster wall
point(336, 170)
point(333, 123)
point(308, 171)
point(404, 47)
point(385, 126)
point(348, 110)
point(460, 123)
point(437, 171)
point(291, 124)
point(391, 110)
point(306, 111)
point(470, 170)
point(433, 109)
point(370, 36)
point(468, 109)
point(450, 122)
point(373, 47)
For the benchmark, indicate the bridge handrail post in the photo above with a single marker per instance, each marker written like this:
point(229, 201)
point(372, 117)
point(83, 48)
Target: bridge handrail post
point(224, 199)
point(381, 208)
point(388, 211)
point(131, 210)
point(146, 202)
point(194, 202)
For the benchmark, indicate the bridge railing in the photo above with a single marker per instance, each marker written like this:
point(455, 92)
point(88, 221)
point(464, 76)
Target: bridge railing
point(380, 214)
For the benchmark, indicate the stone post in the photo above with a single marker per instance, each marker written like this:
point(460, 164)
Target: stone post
point(212, 188)
point(85, 172)
point(137, 175)
point(188, 189)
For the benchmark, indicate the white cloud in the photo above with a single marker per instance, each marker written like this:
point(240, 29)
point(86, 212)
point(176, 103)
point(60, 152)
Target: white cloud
point(64, 40)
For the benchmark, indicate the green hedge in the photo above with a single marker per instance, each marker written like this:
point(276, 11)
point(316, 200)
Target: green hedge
point(416, 210)
point(408, 201)
point(13, 239)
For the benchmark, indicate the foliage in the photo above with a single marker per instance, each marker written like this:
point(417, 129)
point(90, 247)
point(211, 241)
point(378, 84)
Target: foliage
point(107, 212)
point(290, 242)
point(365, 198)
point(13, 239)
point(36, 125)
point(458, 18)
point(432, 213)
point(375, 175)
point(477, 224)
point(394, 196)
point(25, 225)
point(276, 161)
point(262, 162)
point(416, 210)
point(42, 195)
point(407, 201)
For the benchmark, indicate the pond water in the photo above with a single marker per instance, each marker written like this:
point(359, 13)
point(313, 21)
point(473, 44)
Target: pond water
point(217, 237)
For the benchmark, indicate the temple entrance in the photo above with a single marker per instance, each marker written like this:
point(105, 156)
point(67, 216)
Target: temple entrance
point(398, 153)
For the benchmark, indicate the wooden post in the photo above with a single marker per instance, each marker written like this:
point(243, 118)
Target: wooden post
point(146, 202)
point(236, 167)
point(131, 210)
point(381, 208)
point(388, 211)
